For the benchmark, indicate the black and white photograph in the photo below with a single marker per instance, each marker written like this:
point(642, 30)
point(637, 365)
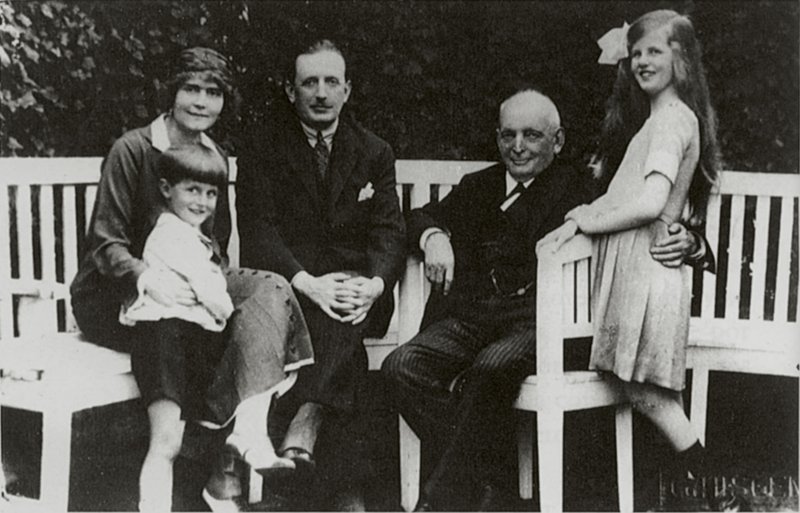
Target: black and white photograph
point(399, 255)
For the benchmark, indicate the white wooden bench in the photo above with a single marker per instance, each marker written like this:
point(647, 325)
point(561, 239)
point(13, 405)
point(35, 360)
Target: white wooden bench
point(745, 325)
point(747, 319)
point(49, 368)
point(744, 318)
point(58, 195)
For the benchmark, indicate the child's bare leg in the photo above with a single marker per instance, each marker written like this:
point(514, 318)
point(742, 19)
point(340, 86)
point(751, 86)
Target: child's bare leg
point(663, 408)
point(166, 436)
point(249, 435)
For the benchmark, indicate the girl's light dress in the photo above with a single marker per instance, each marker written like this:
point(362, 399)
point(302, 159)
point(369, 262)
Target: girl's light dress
point(640, 307)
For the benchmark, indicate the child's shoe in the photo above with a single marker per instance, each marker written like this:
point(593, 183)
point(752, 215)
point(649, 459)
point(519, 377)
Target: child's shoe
point(260, 456)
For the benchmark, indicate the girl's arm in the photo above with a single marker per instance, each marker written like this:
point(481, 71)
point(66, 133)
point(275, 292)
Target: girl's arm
point(603, 217)
point(673, 129)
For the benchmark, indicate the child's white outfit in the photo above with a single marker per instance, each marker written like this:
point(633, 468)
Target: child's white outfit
point(641, 308)
point(175, 246)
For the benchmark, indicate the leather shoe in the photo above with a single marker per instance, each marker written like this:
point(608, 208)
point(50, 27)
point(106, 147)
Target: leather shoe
point(304, 464)
point(299, 456)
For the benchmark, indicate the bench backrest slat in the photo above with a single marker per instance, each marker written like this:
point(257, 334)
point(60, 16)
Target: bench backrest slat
point(25, 231)
point(784, 259)
point(47, 233)
point(732, 287)
point(89, 195)
point(70, 245)
point(750, 225)
point(6, 306)
point(759, 266)
point(708, 299)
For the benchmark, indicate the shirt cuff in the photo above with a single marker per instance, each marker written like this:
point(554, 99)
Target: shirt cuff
point(427, 233)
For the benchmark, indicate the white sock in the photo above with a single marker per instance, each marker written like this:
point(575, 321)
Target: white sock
point(249, 434)
point(152, 506)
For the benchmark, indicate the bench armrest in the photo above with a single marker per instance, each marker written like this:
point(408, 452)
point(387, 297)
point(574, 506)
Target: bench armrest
point(551, 291)
point(36, 314)
point(412, 299)
point(577, 248)
point(39, 289)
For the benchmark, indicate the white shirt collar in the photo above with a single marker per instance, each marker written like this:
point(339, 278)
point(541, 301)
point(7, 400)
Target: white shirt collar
point(159, 134)
point(327, 134)
point(511, 182)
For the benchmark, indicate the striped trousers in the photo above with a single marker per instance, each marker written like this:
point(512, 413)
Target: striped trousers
point(455, 383)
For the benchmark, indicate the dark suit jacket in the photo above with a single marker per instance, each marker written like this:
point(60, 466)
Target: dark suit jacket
point(489, 242)
point(287, 224)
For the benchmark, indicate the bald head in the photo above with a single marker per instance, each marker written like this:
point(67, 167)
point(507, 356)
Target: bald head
point(529, 134)
point(531, 102)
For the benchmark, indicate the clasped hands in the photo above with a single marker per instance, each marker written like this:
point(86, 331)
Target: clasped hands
point(342, 296)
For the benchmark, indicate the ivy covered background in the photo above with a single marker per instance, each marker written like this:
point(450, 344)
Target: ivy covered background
point(427, 76)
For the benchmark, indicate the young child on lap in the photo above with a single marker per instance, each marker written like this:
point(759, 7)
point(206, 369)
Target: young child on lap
point(180, 344)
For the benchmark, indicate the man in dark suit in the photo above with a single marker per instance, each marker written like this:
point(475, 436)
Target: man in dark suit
point(316, 202)
point(456, 380)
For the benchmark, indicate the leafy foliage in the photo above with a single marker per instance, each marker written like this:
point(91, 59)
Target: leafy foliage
point(427, 76)
point(76, 75)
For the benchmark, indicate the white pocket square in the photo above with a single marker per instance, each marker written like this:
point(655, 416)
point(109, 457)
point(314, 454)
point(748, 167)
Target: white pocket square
point(366, 192)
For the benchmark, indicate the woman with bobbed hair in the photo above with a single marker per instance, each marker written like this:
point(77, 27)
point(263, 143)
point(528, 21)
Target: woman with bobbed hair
point(222, 382)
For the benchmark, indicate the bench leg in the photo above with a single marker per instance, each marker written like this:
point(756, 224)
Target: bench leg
point(551, 460)
point(255, 487)
point(624, 433)
point(698, 411)
point(525, 432)
point(409, 466)
point(56, 448)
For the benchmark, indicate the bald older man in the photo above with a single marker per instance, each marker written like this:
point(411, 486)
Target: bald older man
point(479, 324)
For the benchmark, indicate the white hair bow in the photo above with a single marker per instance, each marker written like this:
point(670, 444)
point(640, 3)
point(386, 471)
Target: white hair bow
point(614, 44)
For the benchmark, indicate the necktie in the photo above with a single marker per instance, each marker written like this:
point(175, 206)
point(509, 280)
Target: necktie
point(512, 196)
point(322, 154)
point(519, 189)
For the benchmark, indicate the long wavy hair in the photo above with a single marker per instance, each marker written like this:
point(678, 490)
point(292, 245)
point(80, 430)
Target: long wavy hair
point(628, 106)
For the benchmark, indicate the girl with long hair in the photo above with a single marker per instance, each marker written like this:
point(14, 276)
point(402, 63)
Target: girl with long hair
point(658, 154)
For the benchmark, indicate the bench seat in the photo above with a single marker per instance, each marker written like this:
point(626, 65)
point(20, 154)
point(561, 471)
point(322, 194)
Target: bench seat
point(67, 369)
point(574, 390)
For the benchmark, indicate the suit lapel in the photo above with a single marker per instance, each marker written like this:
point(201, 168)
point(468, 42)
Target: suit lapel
point(342, 162)
point(544, 195)
point(497, 190)
point(300, 160)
